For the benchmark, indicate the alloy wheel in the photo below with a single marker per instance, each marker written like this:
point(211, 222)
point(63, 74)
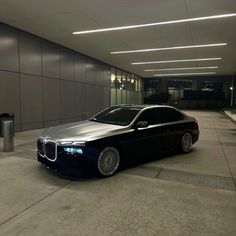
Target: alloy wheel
point(187, 142)
point(108, 161)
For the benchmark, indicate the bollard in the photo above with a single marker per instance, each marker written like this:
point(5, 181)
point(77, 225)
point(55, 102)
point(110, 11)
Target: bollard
point(8, 133)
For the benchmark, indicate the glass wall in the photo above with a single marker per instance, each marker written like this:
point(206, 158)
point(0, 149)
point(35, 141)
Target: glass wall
point(126, 88)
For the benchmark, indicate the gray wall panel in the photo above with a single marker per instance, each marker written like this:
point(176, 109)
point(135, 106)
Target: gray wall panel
point(113, 96)
point(90, 72)
point(17, 128)
point(80, 67)
point(67, 121)
point(107, 77)
point(118, 96)
point(67, 64)
point(99, 79)
point(29, 126)
point(90, 99)
point(31, 99)
point(67, 99)
point(128, 97)
point(9, 94)
point(50, 60)
point(106, 97)
point(30, 54)
point(51, 123)
point(51, 99)
point(123, 97)
point(99, 105)
point(80, 99)
point(53, 85)
point(8, 49)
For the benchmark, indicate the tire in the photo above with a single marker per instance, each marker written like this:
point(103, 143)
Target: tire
point(108, 162)
point(186, 142)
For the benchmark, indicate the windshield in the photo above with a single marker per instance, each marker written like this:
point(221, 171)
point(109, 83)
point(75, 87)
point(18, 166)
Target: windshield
point(117, 115)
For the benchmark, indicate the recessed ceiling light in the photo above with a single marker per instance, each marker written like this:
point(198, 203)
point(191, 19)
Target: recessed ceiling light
point(186, 68)
point(156, 23)
point(170, 48)
point(185, 74)
point(172, 61)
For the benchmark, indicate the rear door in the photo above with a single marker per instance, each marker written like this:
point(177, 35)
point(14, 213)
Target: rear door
point(171, 119)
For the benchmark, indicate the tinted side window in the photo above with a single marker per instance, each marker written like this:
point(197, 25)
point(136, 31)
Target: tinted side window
point(169, 115)
point(148, 116)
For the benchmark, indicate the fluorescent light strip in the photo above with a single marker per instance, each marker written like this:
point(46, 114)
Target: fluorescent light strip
point(156, 24)
point(172, 61)
point(187, 68)
point(185, 74)
point(171, 48)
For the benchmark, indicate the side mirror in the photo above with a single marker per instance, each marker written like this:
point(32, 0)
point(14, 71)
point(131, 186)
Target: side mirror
point(141, 124)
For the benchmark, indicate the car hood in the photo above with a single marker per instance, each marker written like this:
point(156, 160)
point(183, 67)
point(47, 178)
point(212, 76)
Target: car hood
point(82, 131)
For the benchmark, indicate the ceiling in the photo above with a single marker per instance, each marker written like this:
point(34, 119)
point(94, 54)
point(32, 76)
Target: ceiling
point(55, 20)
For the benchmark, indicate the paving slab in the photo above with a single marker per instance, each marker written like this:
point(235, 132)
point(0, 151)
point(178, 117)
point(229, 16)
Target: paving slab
point(192, 194)
point(22, 183)
point(198, 179)
point(128, 205)
point(230, 153)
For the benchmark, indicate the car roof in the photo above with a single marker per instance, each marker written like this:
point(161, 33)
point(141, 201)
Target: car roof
point(141, 107)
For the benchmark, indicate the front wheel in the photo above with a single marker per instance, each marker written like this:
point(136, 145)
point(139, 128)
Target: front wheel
point(108, 162)
point(186, 142)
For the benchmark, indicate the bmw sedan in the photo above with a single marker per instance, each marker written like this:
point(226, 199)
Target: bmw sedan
point(115, 135)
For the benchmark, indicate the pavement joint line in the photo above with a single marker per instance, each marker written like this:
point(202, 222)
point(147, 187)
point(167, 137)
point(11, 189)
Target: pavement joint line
point(24, 144)
point(214, 128)
point(35, 203)
point(158, 173)
point(164, 170)
point(18, 146)
point(218, 137)
point(184, 183)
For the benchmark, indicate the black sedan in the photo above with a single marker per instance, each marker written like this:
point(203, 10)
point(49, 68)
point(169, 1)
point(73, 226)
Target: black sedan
point(116, 135)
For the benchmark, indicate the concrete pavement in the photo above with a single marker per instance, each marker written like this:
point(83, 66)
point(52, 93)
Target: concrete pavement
point(192, 194)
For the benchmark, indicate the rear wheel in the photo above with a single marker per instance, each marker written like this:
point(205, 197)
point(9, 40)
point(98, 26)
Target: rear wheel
point(108, 162)
point(186, 142)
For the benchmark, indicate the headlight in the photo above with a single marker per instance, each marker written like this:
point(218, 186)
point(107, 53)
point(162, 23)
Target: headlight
point(73, 143)
point(73, 150)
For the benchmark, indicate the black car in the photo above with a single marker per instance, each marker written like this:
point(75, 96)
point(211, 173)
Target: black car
point(117, 134)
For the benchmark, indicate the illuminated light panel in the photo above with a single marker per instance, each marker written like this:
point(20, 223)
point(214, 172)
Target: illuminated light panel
point(73, 150)
point(187, 68)
point(185, 74)
point(170, 48)
point(156, 24)
point(172, 61)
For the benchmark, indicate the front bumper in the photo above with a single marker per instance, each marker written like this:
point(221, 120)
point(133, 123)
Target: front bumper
point(71, 164)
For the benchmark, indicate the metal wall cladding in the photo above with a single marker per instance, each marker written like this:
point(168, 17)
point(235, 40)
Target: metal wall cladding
point(30, 54)
point(45, 84)
point(50, 60)
point(67, 64)
point(67, 99)
point(51, 99)
point(9, 94)
point(80, 68)
point(80, 95)
point(31, 97)
point(9, 49)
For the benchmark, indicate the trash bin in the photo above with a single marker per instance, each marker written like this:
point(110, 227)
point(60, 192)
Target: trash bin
point(8, 133)
point(6, 116)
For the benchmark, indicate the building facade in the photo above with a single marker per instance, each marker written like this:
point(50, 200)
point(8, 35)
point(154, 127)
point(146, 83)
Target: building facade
point(45, 84)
